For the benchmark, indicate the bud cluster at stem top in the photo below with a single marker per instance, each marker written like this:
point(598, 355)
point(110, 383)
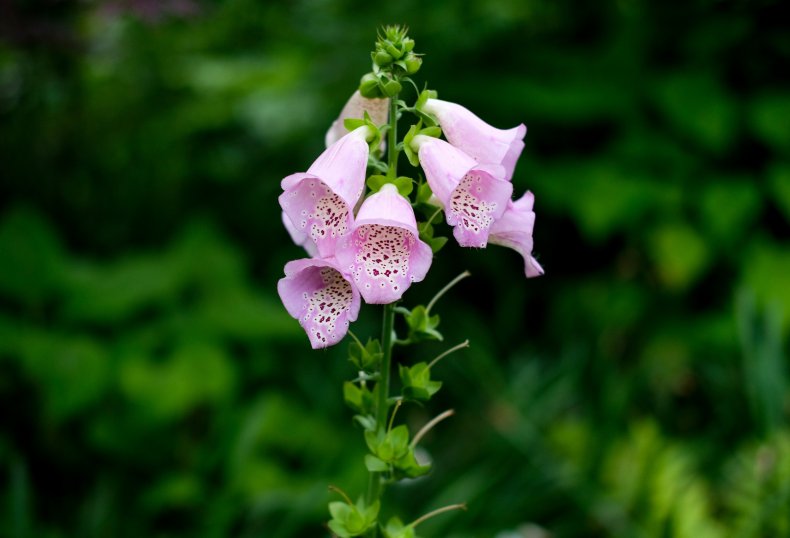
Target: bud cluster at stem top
point(393, 58)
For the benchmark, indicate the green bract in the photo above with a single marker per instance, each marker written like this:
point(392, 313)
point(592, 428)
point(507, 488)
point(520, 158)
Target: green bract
point(350, 520)
point(417, 383)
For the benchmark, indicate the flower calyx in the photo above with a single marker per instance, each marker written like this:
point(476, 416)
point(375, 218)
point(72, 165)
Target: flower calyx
point(411, 147)
point(373, 134)
point(349, 520)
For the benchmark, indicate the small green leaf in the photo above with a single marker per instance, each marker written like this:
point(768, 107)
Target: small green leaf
point(374, 464)
point(365, 358)
point(424, 193)
point(437, 243)
point(417, 383)
point(407, 148)
point(404, 184)
point(423, 98)
point(421, 325)
point(432, 131)
point(367, 422)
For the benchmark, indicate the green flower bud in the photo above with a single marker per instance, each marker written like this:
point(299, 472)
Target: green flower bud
point(413, 63)
point(369, 86)
point(393, 51)
point(408, 44)
point(391, 88)
point(382, 59)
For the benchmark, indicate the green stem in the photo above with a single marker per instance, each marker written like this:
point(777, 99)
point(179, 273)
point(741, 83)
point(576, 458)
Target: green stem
point(392, 138)
point(374, 483)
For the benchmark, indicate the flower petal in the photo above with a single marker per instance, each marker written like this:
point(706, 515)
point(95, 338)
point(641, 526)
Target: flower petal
point(317, 212)
point(473, 195)
point(514, 230)
point(320, 201)
point(321, 298)
point(475, 137)
point(384, 254)
point(298, 237)
point(378, 109)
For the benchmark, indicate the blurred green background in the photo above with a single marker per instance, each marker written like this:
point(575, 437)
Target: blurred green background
point(151, 384)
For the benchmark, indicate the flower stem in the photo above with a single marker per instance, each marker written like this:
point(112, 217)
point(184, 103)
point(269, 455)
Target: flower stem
point(433, 422)
point(444, 290)
point(392, 138)
point(436, 512)
point(462, 345)
point(388, 324)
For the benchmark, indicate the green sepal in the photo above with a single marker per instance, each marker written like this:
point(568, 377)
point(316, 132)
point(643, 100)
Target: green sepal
point(433, 131)
point(421, 325)
point(390, 446)
point(358, 398)
point(392, 50)
point(417, 382)
point(365, 358)
point(423, 97)
point(374, 136)
point(417, 129)
point(375, 465)
point(353, 520)
point(424, 193)
point(391, 88)
point(407, 140)
point(407, 466)
point(396, 529)
point(368, 422)
point(405, 185)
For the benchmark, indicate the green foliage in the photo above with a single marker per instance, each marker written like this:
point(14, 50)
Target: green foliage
point(153, 385)
point(352, 519)
point(417, 383)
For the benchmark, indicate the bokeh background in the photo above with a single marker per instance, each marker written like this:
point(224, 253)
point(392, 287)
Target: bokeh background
point(151, 384)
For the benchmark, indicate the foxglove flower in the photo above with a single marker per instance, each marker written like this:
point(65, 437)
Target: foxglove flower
point(514, 230)
point(474, 195)
point(475, 137)
point(355, 108)
point(384, 253)
point(321, 298)
point(320, 202)
point(299, 237)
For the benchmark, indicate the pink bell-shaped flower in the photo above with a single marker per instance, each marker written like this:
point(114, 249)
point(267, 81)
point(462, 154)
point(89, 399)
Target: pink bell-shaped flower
point(514, 230)
point(355, 108)
point(320, 202)
point(475, 137)
point(384, 253)
point(321, 298)
point(474, 195)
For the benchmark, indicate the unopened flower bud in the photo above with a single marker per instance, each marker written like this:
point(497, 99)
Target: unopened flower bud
point(382, 59)
point(393, 51)
point(392, 88)
point(369, 86)
point(408, 44)
point(413, 63)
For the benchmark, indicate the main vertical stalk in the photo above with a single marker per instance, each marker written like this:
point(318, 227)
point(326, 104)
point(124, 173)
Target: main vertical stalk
point(388, 323)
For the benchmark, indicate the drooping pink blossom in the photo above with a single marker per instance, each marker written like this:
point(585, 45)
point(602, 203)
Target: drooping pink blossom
point(321, 297)
point(355, 108)
point(383, 254)
point(320, 202)
point(474, 195)
point(475, 137)
point(514, 230)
